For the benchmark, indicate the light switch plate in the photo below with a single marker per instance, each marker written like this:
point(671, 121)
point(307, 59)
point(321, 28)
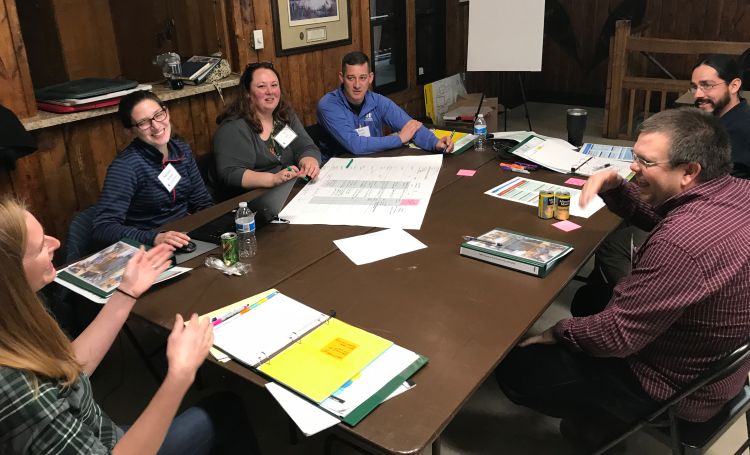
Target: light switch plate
point(257, 39)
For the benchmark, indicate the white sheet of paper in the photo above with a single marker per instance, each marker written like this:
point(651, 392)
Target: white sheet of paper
point(526, 191)
point(367, 248)
point(553, 155)
point(309, 418)
point(169, 177)
point(378, 192)
point(363, 131)
point(285, 137)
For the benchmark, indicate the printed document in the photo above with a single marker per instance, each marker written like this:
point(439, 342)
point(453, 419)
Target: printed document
point(379, 192)
point(526, 191)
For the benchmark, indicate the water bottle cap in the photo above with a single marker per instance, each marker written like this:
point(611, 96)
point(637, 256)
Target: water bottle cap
point(243, 204)
point(481, 116)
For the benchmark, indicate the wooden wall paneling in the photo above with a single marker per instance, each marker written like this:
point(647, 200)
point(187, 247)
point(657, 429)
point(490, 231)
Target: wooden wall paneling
point(29, 185)
point(90, 146)
point(182, 120)
point(240, 23)
point(201, 144)
point(137, 50)
point(43, 47)
point(221, 22)
point(57, 181)
point(87, 37)
point(411, 43)
point(195, 34)
point(121, 136)
point(17, 93)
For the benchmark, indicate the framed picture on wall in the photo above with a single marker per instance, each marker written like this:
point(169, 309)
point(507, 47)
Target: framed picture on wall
point(305, 25)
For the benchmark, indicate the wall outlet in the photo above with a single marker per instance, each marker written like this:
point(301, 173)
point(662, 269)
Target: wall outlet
point(257, 39)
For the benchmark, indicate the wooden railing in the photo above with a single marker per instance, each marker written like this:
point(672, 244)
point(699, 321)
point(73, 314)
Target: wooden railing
point(630, 91)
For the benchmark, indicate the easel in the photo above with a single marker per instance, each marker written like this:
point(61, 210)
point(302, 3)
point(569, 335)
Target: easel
point(523, 97)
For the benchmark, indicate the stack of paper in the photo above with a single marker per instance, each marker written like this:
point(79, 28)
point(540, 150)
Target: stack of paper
point(330, 365)
point(555, 156)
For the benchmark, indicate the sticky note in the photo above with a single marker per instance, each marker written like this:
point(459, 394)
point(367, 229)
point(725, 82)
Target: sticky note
point(576, 182)
point(566, 226)
point(466, 172)
point(409, 202)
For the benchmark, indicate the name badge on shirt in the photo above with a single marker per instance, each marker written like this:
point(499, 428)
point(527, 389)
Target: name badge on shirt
point(285, 137)
point(363, 131)
point(169, 177)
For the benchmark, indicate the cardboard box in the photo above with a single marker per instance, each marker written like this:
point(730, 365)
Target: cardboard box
point(460, 114)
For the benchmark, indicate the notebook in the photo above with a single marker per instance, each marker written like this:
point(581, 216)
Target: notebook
point(83, 88)
point(266, 207)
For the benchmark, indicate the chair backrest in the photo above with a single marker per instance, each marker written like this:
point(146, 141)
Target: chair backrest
point(720, 370)
point(79, 242)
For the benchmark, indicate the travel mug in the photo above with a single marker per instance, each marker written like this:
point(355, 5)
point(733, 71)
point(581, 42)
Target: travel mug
point(576, 126)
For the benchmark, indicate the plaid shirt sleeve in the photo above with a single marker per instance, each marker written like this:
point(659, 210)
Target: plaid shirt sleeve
point(57, 420)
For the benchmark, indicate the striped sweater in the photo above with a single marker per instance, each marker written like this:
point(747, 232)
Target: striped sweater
point(134, 203)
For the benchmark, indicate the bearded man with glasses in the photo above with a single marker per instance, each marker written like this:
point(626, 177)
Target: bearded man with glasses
point(715, 85)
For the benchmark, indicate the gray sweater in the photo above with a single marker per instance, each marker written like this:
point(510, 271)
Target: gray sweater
point(237, 148)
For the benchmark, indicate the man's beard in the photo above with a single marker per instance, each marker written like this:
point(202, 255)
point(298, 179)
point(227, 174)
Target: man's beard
point(718, 106)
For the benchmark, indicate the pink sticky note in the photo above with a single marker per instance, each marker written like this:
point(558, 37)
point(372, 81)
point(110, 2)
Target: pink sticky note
point(466, 172)
point(566, 226)
point(576, 182)
point(409, 202)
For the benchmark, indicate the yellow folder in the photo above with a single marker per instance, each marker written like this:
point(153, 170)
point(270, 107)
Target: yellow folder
point(323, 360)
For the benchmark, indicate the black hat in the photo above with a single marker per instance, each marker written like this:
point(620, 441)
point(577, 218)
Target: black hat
point(15, 141)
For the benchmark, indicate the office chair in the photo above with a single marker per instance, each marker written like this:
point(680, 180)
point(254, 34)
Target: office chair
point(691, 437)
point(79, 244)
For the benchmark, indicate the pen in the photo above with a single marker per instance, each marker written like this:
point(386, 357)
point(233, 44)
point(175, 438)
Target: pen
point(223, 318)
point(603, 166)
point(470, 238)
point(452, 134)
point(349, 163)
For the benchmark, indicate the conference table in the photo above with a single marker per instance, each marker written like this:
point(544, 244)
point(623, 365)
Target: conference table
point(461, 313)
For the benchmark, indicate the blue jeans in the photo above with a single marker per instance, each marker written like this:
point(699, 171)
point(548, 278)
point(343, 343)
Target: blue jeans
point(191, 433)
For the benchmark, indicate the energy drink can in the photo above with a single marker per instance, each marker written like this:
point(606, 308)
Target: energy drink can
point(230, 248)
point(562, 205)
point(546, 204)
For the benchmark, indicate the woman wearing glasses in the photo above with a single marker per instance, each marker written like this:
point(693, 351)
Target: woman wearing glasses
point(153, 181)
point(261, 142)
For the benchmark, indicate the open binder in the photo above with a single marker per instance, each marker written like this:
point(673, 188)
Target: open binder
point(344, 370)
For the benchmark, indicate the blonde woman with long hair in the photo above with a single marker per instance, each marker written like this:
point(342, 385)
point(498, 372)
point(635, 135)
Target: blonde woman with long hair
point(46, 404)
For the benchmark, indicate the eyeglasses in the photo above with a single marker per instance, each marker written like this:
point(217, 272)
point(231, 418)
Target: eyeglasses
point(159, 116)
point(646, 163)
point(704, 86)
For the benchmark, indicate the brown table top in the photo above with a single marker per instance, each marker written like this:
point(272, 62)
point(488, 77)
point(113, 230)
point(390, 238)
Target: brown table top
point(463, 314)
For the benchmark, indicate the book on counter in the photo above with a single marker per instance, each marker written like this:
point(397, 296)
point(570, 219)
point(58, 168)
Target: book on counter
point(522, 252)
point(96, 277)
point(196, 69)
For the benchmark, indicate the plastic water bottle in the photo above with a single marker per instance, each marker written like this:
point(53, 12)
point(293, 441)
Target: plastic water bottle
point(480, 131)
point(244, 222)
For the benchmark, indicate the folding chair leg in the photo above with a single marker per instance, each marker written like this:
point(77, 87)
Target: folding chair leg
point(142, 353)
point(674, 434)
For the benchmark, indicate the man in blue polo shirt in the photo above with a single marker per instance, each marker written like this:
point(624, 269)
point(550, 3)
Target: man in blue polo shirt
point(354, 116)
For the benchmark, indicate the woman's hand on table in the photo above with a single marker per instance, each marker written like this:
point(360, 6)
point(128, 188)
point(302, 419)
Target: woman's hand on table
point(309, 167)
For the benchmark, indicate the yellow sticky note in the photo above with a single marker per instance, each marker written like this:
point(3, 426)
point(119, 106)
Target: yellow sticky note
point(325, 359)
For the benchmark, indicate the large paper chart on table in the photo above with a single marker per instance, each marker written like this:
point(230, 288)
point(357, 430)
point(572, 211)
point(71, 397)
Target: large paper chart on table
point(380, 192)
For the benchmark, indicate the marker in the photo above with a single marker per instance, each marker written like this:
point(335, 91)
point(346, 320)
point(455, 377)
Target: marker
point(349, 163)
point(603, 166)
point(452, 134)
point(225, 317)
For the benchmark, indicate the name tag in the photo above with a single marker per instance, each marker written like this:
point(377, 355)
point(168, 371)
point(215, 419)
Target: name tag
point(285, 137)
point(169, 177)
point(363, 131)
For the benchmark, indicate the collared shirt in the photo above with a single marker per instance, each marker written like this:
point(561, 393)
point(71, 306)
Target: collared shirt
point(685, 304)
point(361, 133)
point(59, 420)
point(134, 203)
